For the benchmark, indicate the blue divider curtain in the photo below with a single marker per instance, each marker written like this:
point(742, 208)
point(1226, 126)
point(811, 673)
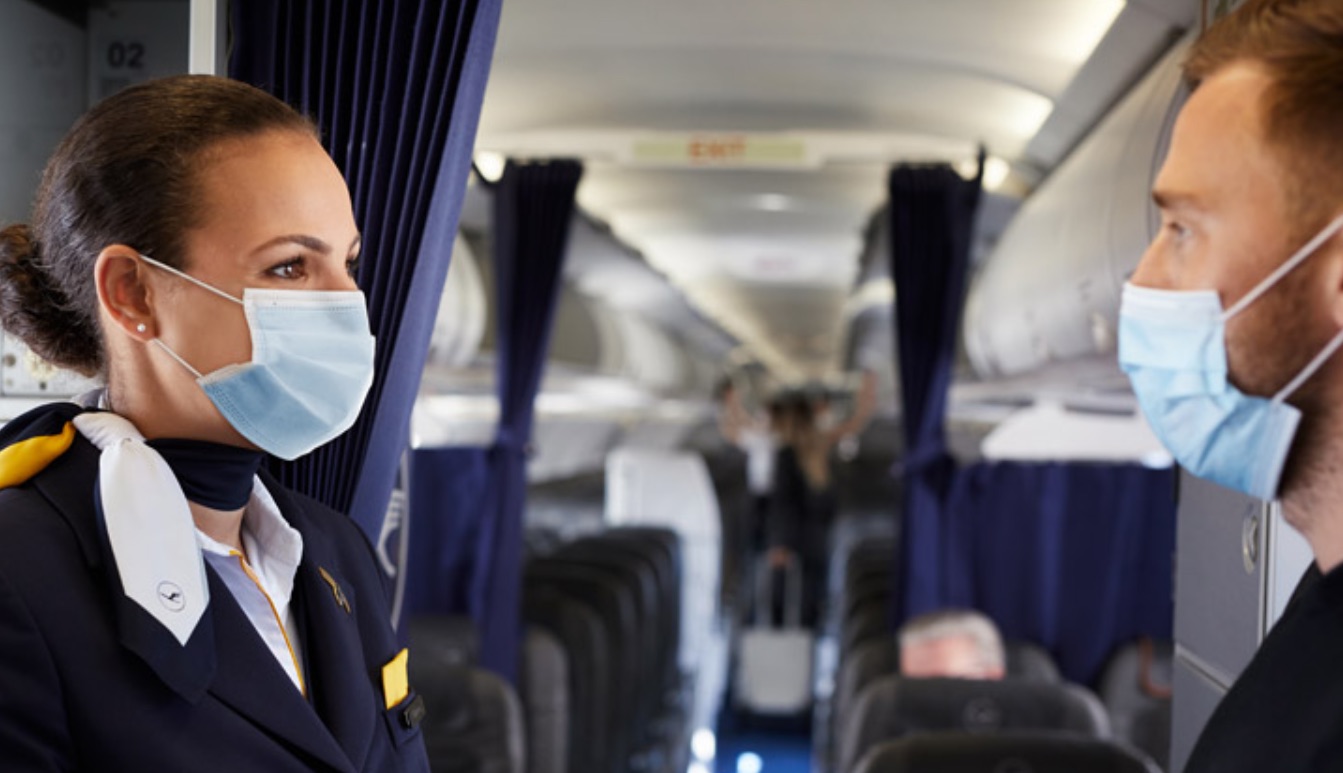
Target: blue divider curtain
point(467, 530)
point(395, 86)
point(1074, 556)
point(932, 212)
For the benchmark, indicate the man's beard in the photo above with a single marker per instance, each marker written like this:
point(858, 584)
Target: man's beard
point(1275, 339)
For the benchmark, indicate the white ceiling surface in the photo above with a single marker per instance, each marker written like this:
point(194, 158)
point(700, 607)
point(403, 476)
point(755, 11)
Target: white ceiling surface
point(771, 255)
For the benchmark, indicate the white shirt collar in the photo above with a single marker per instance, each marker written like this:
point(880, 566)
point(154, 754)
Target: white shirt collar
point(274, 548)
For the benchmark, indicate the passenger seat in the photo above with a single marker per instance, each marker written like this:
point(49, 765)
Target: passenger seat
point(961, 753)
point(1136, 689)
point(892, 707)
point(473, 721)
point(544, 684)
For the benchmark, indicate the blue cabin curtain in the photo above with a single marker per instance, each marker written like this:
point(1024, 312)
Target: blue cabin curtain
point(1074, 556)
point(395, 87)
point(468, 503)
point(932, 212)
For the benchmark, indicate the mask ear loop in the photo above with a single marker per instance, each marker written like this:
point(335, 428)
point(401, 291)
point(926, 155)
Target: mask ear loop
point(204, 286)
point(1286, 268)
point(1310, 369)
point(157, 341)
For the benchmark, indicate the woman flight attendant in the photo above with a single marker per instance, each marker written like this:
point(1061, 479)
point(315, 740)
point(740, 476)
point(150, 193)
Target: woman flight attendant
point(164, 603)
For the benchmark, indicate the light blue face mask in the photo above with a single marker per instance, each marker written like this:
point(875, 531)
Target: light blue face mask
point(1172, 345)
point(311, 368)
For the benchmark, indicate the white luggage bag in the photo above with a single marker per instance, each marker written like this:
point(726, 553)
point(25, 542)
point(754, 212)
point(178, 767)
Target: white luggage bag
point(774, 665)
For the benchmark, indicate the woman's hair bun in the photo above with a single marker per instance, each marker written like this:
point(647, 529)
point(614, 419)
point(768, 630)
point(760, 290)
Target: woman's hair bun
point(33, 308)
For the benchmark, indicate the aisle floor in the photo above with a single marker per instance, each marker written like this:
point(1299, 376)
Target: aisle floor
point(775, 753)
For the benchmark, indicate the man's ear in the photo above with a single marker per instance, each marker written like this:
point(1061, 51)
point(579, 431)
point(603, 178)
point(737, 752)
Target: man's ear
point(124, 292)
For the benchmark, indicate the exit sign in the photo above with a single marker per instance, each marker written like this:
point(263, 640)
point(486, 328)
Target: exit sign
point(721, 150)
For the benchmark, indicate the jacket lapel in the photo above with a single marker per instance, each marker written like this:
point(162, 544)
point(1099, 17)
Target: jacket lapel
point(250, 681)
point(70, 485)
point(224, 656)
point(339, 682)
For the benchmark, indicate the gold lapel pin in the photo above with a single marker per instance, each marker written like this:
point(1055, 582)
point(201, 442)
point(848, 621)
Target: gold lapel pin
point(335, 590)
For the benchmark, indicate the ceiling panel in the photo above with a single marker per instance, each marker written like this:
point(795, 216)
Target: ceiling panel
point(772, 254)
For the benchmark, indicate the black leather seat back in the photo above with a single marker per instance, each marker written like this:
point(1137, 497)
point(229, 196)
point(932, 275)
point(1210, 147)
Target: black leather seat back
point(1004, 753)
point(870, 661)
point(869, 621)
point(893, 707)
point(1029, 660)
point(664, 547)
point(1136, 690)
point(473, 721)
point(544, 684)
point(869, 589)
point(615, 603)
point(636, 574)
point(443, 640)
point(582, 633)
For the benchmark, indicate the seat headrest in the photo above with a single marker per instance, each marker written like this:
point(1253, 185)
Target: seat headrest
point(905, 706)
point(443, 640)
point(1003, 753)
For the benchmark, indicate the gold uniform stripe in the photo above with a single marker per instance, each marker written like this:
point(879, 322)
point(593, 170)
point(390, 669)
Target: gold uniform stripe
point(27, 458)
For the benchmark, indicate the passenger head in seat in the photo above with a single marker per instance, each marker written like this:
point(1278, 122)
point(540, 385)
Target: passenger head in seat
point(957, 643)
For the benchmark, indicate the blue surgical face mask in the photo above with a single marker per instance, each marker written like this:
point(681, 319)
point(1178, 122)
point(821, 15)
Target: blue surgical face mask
point(1172, 345)
point(311, 368)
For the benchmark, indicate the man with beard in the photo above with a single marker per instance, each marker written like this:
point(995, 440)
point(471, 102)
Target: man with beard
point(1228, 330)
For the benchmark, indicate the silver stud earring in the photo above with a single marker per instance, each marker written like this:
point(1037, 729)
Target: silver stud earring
point(140, 328)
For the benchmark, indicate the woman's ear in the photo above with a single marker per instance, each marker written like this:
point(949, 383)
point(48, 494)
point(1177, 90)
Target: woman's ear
point(124, 291)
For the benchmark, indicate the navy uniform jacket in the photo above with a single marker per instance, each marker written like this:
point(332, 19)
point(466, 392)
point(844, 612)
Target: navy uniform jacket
point(90, 682)
point(1285, 711)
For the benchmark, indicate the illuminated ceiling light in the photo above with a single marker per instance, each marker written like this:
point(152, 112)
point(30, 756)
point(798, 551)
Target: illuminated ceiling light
point(1098, 16)
point(772, 202)
point(491, 165)
point(996, 171)
point(750, 762)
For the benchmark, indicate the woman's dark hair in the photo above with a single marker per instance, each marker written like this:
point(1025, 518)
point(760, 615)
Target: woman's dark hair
point(125, 174)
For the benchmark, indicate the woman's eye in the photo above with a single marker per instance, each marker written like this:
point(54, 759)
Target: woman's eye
point(352, 267)
point(290, 269)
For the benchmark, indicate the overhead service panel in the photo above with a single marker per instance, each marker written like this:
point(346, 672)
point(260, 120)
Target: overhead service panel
point(1050, 291)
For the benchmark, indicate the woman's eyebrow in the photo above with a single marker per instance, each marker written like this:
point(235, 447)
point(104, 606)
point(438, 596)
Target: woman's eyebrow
point(303, 240)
